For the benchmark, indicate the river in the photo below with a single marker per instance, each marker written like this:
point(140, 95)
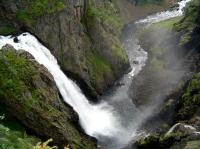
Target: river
point(118, 97)
point(115, 121)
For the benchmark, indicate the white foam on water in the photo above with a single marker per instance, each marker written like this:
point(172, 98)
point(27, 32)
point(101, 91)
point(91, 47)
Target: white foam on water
point(165, 15)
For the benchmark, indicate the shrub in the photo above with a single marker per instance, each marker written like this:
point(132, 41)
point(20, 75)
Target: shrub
point(38, 8)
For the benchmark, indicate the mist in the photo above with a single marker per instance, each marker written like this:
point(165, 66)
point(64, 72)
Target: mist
point(168, 68)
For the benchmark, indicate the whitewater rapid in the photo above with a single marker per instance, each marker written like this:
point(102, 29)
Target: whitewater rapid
point(165, 15)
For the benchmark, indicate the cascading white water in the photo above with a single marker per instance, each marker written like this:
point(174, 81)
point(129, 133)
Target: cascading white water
point(161, 16)
point(187, 127)
point(103, 119)
point(95, 119)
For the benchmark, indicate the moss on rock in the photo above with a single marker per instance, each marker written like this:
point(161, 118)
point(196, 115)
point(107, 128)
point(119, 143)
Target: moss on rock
point(38, 8)
point(12, 132)
point(29, 92)
point(98, 68)
point(189, 22)
point(14, 139)
point(106, 13)
point(104, 26)
point(190, 101)
point(195, 144)
point(7, 30)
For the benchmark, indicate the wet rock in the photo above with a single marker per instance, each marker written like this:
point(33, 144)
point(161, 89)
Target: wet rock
point(179, 127)
point(119, 84)
point(195, 122)
point(16, 40)
point(175, 6)
point(135, 62)
point(26, 55)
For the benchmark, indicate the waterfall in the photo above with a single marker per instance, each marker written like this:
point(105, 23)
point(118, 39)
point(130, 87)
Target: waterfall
point(117, 119)
point(161, 16)
point(95, 119)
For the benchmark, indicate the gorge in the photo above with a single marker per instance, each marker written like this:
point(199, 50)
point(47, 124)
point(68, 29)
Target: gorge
point(115, 120)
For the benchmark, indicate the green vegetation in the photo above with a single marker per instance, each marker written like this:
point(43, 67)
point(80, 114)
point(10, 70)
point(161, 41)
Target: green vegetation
point(155, 32)
point(7, 30)
point(104, 26)
point(162, 142)
point(119, 51)
point(9, 121)
point(192, 144)
point(107, 14)
point(171, 138)
point(189, 21)
point(157, 29)
point(15, 73)
point(23, 87)
point(12, 133)
point(98, 67)
point(181, 30)
point(191, 99)
point(168, 24)
point(38, 8)
point(14, 139)
point(172, 29)
point(148, 142)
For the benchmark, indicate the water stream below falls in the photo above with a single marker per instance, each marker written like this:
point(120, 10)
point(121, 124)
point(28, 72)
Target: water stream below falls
point(115, 121)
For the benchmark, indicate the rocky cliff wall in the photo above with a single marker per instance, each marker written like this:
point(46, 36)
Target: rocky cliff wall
point(82, 34)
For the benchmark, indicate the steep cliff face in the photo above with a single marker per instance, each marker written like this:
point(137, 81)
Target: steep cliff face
point(28, 91)
point(104, 25)
point(81, 34)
